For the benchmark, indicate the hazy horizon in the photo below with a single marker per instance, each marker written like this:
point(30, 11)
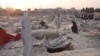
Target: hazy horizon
point(25, 4)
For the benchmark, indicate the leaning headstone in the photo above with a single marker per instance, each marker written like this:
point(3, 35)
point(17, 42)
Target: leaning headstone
point(26, 35)
point(57, 22)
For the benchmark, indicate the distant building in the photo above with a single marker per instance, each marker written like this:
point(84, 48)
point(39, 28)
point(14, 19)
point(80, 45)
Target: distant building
point(54, 11)
point(97, 15)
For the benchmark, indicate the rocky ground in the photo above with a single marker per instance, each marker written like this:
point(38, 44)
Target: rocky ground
point(85, 43)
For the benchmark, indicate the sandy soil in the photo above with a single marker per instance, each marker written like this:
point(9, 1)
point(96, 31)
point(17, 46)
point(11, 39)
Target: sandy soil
point(86, 43)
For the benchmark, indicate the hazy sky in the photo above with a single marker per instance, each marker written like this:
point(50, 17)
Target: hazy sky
point(24, 4)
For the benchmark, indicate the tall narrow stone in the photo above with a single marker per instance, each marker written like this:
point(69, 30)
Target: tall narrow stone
point(26, 35)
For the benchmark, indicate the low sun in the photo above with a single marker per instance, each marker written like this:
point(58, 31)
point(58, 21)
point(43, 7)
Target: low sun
point(12, 3)
point(25, 3)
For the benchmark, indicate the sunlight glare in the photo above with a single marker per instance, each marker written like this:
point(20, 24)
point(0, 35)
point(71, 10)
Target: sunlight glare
point(24, 3)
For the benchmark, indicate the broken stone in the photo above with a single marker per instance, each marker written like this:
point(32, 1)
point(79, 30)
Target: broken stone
point(70, 38)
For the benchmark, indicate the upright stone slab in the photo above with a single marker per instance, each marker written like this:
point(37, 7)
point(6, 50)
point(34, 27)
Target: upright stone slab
point(26, 35)
point(57, 22)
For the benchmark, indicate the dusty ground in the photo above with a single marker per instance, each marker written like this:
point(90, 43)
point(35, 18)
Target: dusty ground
point(86, 43)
